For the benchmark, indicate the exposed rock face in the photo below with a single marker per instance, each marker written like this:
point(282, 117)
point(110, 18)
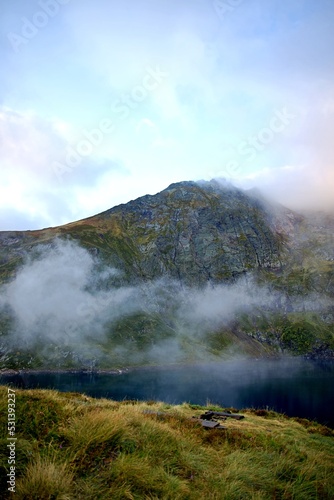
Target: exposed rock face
point(194, 232)
point(197, 233)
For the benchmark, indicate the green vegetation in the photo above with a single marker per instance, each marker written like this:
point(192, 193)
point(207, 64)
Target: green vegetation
point(195, 235)
point(70, 446)
point(137, 340)
point(301, 333)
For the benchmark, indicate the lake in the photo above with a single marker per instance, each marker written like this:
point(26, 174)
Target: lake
point(292, 386)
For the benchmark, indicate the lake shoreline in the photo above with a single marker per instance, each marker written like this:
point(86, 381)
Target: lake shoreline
point(290, 385)
point(328, 356)
point(127, 369)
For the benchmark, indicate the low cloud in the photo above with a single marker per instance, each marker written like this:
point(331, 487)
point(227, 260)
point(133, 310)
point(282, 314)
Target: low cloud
point(59, 296)
point(297, 187)
point(64, 298)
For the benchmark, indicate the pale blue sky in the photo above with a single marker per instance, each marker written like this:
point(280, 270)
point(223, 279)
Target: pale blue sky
point(180, 90)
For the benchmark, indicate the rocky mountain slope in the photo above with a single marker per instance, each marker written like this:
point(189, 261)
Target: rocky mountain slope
point(192, 232)
point(198, 236)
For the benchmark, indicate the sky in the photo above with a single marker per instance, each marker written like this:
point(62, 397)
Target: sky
point(102, 102)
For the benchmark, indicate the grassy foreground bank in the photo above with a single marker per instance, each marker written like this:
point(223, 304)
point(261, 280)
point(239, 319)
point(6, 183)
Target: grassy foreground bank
point(70, 446)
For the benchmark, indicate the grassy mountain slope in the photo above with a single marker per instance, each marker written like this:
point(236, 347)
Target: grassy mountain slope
point(70, 446)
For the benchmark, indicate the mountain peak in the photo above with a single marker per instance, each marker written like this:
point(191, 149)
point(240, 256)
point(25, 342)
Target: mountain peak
point(191, 231)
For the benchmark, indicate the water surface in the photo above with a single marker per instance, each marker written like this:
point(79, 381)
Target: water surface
point(295, 387)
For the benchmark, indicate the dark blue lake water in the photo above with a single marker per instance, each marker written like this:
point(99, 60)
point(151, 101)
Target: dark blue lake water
point(292, 386)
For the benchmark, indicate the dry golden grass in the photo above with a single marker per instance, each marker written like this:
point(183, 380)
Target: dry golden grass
point(74, 447)
point(45, 479)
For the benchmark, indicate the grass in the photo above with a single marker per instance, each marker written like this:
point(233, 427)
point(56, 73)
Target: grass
point(70, 446)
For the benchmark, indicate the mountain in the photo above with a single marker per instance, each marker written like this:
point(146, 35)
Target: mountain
point(206, 238)
point(192, 232)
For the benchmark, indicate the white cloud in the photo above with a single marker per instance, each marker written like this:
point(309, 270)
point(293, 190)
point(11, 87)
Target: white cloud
point(226, 77)
point(28, 184)
point(298, 187)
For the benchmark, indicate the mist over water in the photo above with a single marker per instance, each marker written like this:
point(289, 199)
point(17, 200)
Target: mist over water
point(66, 298)
point(293, 386)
